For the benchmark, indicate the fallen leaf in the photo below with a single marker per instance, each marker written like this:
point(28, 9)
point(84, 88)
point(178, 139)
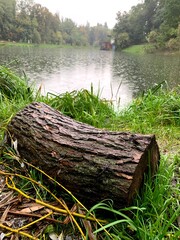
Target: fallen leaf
point(6, 197)
point(32, 208)
point(4, 215)
point(61, 236)
point(53, 236)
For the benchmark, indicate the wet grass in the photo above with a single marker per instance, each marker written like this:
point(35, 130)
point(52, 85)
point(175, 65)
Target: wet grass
point(83, 106)
point(148, 48)
point(158, 112)
point(135, 49)
point(155, 214)
point(31, 45)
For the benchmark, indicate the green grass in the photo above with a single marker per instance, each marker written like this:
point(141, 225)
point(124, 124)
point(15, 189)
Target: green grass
point(148, 49)
point(158, 112)
point(161, 205)
point(156, 209)
point(83, 106)
point(135, 49)
point(18, 44)
point(31, 45)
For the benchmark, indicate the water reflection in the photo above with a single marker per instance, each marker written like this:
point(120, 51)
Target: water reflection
point(115, 75)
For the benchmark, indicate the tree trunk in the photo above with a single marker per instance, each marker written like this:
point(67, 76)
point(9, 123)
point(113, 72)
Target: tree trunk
point(93, 164)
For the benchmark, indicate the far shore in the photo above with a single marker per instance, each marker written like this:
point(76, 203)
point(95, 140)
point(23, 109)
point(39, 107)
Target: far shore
point(148, 49)
point(134, 49)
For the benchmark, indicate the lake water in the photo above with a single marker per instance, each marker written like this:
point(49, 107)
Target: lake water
point(114, 75)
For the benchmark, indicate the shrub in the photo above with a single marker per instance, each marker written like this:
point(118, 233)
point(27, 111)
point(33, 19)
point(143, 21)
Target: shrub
point(173, 44)
point(152, 37)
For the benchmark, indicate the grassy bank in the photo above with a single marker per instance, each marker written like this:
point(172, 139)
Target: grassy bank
point(148, 48)
point(155, 214)
point(135, 49)
point(31, 45)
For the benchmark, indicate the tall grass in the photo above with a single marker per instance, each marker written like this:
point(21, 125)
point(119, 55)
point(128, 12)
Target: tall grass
point(14, 95)
point(158, 112)
point(13, 86)
point(156, 209)
point(161, 204)
point(83, 106)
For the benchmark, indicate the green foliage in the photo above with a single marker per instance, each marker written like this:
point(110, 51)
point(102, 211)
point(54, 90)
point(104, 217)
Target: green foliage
point(171, 13)
point(155, 21)
point(152, 37)
point(29, 22)
point(129, 28)
point(122, 40)
point(36, 37)
point(7, 17)
point(173, 44)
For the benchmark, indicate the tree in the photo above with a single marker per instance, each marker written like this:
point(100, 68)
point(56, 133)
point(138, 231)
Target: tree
point(7, 17)
point(122, 40)
point(137, 22)
point(24, 6)
point(150, 9)
point(131, 23)
point(154, 20)
point(24, 25)
point(68, 28)
point(43, 18)
point(36, 37)
point(172, 13)
point(26, 21)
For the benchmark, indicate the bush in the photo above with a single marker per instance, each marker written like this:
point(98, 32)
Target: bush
point(152, 37)
point(173, 44)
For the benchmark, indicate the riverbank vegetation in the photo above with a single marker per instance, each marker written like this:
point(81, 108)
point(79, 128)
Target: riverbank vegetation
point(29, 22)
point(135, 49)
point(149, 48)
point(156, 22)
point(155, 213)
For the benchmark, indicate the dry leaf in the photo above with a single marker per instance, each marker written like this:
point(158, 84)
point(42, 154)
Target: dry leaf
point(35, 207)
point(6, 198)
point(61, 236)
point(53, 236)
point(4, 215)
point(88, 227)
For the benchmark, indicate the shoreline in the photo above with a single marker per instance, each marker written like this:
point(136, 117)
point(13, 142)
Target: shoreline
point(146, 49)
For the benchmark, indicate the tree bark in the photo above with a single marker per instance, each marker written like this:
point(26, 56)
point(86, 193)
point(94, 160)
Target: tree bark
point(93, 164)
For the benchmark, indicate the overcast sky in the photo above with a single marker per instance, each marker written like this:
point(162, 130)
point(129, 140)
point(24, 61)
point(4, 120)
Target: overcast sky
point(92, 11)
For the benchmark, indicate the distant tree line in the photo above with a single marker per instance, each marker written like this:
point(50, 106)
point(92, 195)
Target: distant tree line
point(26, 21)
point(155, 21)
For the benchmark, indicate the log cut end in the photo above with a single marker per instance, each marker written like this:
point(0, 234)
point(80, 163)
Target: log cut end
point(148, 164)
point(93, 164)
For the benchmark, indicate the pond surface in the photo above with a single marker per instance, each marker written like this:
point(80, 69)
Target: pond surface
point(114, 75)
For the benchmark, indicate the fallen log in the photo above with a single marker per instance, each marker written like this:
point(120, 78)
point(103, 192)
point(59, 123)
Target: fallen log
point(93, 164)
